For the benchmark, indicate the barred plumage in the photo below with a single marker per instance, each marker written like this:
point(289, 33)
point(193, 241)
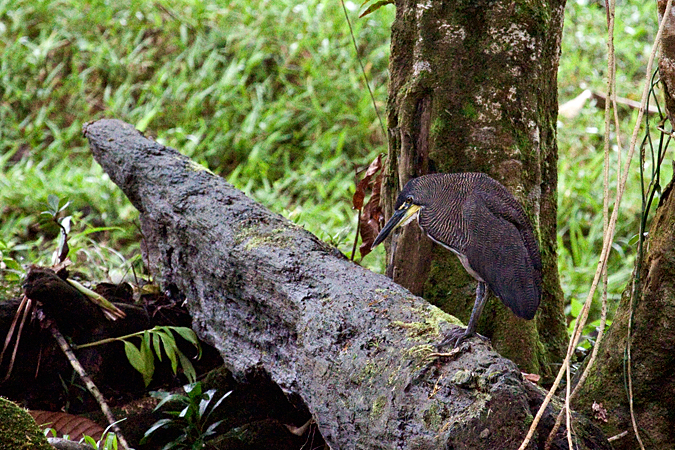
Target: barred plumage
point(478, 219)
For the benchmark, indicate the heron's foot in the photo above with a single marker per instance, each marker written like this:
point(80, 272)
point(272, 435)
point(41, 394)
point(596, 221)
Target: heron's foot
point(457, 336)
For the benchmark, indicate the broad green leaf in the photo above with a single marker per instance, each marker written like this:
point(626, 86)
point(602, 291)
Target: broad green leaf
point(170, 349)
point(53, 202)
point(187, 334)
point(204, 403)
point(155, 426)
point(220, 400)
point(193, 389)
point(188, 368)
point(148, 358)
point(134, 356)
point(212, 428)
point(170, 398)
point(99, 229)
point(156, 345)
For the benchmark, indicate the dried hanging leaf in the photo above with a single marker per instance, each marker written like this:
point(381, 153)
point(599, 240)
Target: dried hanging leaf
point(374, 7)
point(599, 412)
point(360, 193)
point(371, 218)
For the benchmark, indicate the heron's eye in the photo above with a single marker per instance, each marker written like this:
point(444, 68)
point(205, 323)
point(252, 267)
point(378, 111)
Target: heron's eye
point(409, 199)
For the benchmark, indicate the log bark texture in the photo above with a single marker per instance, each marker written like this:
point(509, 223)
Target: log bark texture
point(349, 345)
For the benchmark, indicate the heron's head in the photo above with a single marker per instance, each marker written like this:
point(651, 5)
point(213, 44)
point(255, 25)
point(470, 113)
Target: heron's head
point(408, 204)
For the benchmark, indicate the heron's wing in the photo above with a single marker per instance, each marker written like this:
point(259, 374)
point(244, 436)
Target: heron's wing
point(503, 251)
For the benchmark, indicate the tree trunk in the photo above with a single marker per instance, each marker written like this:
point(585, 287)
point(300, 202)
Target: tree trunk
point(350, 346)
point(652, 336)
point(473, 89)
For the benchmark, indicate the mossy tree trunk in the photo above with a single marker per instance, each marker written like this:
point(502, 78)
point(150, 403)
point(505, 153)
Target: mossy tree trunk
point(653, 315)
point(473, 89)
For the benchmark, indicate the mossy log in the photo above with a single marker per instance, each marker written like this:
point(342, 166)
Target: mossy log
point(349, 346)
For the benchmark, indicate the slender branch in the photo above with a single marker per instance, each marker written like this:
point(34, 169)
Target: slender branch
point(363, 70)
point(112, 339)
point(67, 350)
point(24, 307)
point(568, 409)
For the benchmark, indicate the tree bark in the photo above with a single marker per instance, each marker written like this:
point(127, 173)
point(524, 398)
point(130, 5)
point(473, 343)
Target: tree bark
point(349, 345)
point(473, 89)
point(653, 313)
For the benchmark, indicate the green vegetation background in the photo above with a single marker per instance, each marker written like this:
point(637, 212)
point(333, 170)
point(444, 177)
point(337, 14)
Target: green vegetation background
point(268, 94)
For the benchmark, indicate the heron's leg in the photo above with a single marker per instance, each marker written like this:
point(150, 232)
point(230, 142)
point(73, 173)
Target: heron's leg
point(454, 336)
point(481, 299)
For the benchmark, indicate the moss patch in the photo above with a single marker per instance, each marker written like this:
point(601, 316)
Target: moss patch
point(254, 237)
point(378, 407)
point(429, 328)
point(18, 430)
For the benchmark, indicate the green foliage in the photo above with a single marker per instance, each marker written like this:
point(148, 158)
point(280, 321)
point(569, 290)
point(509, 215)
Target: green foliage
point(191, 419)
point(143, 359)
point(268, 95)
point(107, 442)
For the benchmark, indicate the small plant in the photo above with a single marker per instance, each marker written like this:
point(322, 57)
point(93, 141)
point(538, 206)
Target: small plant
point(191, 420)
point(142, 358)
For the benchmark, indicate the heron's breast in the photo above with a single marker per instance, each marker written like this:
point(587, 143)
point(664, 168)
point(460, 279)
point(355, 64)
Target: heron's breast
point(462, 258)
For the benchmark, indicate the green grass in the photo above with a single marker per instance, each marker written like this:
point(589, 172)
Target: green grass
point(268, 94)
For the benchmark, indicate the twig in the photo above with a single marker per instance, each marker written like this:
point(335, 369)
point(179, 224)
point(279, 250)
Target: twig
point(568, 409)
point(24, 307)
point(363, 70)
point(89, 383)
point(601, 98)
point(608, 238)
point(616, 437)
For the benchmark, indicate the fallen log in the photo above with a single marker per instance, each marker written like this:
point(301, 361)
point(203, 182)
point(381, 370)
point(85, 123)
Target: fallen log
point(349, 345)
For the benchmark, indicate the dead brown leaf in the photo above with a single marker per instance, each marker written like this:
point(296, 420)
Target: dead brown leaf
point(533, 377)
point(371, 217)
point(599, 412)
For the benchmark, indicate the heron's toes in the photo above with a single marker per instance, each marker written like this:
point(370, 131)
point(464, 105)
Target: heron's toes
point(453, 338)
point(457, 336)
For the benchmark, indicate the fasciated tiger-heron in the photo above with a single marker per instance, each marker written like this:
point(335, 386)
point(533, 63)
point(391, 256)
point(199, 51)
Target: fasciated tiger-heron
point(479, 220)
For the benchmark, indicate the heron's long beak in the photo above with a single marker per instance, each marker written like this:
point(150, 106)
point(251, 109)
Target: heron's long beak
point(401, 217)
